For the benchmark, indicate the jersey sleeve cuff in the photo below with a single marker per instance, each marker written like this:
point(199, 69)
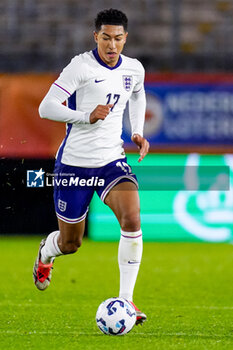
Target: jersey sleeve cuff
point(87, 118)
point(138, 133)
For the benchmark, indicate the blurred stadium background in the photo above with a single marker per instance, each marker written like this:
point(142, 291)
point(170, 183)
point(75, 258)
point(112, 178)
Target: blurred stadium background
point(186, 48)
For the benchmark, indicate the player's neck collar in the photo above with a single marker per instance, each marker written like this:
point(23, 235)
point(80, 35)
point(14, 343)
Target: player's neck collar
point(97, 57)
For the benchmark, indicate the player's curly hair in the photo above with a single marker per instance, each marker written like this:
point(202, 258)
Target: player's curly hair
point(112, 17)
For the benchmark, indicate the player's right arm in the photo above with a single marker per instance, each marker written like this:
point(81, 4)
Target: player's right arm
point(52, 108)
point(72, 77)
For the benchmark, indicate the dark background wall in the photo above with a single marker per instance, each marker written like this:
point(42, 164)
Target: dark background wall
point(164, 34)
point(23, 209)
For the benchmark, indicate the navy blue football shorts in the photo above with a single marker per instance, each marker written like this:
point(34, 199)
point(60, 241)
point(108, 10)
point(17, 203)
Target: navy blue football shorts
point(74, 187)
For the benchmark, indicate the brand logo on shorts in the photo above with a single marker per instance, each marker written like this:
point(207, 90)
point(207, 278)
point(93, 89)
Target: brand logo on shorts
point(35, 178)
point(62, 205)
point(127, 82)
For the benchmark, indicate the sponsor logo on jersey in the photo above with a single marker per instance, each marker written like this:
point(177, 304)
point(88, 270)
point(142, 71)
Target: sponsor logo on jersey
point(127, 82)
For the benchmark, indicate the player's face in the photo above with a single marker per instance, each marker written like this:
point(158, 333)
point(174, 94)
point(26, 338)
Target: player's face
point(110, 42)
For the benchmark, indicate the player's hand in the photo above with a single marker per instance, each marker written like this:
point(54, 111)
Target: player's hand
point(142, 144)
point(100, 112)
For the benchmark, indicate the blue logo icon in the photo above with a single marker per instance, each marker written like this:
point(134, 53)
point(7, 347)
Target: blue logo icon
point(99, 81)
point(35, 178)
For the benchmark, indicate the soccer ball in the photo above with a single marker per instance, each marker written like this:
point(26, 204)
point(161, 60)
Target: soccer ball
point(115, 316)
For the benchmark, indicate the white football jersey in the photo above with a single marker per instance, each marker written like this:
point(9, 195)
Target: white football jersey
point(87, 82)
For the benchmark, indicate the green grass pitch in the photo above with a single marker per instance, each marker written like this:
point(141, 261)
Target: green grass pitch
point(184, 288)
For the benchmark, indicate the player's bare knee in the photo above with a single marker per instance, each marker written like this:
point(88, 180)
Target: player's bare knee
point(130, 222)
point(78, 242)
point(70, 247)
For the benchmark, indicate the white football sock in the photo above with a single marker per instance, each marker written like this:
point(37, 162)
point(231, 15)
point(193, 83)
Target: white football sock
point(129, 259)
point(50, 249)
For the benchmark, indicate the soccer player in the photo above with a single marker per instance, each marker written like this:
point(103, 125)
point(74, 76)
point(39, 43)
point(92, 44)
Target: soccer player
point(97, 85)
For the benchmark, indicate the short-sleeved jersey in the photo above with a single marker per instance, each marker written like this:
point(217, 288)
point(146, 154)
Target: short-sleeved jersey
point(88, 82)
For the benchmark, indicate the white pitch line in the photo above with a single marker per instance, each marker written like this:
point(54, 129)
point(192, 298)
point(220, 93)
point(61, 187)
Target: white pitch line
point(175, 334)
point(192, 307)
point(176, 307)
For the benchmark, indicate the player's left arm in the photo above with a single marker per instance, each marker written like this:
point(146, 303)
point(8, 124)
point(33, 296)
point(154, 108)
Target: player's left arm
point(137, 111)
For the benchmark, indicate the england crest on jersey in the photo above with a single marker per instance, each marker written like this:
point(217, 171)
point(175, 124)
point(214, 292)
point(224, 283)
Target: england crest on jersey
point(127, 82)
